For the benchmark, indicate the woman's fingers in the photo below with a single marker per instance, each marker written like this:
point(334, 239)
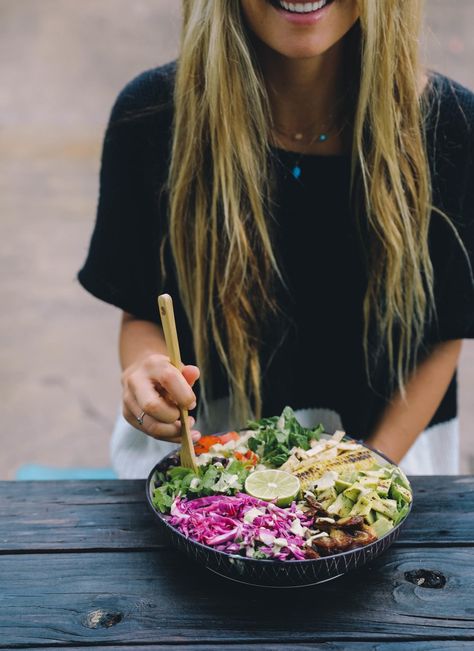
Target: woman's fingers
point(132, 411)
point(191, 374)
point(170, 432)
point(159, 369)
point(151, 402)
point(152, 391)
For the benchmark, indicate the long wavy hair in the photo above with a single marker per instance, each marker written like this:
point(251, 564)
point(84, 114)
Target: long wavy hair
point(220, 190)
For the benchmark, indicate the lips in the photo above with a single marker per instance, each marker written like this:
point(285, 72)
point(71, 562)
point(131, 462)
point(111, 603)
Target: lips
point(300, 8)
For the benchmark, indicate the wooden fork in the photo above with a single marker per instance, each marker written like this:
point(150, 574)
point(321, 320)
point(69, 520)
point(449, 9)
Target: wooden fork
point(165, 304)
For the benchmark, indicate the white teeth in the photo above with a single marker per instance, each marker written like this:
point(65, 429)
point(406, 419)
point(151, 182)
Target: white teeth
point(302, 8)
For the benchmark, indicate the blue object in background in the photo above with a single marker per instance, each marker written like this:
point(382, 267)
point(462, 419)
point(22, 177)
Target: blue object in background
point(33, 472)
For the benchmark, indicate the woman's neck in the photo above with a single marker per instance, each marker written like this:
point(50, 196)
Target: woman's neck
point(305, 94)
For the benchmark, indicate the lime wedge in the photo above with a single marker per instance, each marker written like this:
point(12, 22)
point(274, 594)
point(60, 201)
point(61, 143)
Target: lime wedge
point(273, 485)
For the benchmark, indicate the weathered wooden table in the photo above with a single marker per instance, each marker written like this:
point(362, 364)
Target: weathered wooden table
point(82, 564)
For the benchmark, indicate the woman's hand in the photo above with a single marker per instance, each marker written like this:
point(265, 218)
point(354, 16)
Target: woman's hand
point(152, 391)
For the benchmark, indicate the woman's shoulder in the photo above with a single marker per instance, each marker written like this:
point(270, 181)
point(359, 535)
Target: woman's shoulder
point(450, 114)
point(147, 94)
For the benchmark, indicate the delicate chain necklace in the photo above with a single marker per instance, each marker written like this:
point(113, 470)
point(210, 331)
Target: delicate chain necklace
point(322, 135)
point(299, 135)
point(319, 136)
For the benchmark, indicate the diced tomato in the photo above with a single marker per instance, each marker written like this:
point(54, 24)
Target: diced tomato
point(249, 459)
point(206, 442)
point(252, 457)
point(229, 436)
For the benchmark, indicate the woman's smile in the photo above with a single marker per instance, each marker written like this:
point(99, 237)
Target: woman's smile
point(301, 12)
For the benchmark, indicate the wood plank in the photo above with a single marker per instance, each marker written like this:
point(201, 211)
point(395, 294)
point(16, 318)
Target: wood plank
point(324, 646)
point(109, 515)
point(161, 598)
point(443, 511)
point(70, 515)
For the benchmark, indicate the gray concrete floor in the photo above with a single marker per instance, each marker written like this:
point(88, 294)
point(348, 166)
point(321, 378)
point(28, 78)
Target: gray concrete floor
point(62, 63)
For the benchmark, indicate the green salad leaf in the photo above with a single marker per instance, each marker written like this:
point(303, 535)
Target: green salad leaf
point(275, 437)
point(162, 500)
point(208, 480)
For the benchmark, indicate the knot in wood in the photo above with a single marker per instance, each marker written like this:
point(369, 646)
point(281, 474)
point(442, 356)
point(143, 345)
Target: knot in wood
point(102, 619)
point(426, 578)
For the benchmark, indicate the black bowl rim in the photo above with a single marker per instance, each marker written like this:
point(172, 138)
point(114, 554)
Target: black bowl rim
point(269, 561)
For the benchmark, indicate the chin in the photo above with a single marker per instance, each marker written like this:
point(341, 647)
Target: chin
point(301, 51)
point(303, 48)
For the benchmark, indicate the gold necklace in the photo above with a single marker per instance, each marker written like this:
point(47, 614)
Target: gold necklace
point(298, 136)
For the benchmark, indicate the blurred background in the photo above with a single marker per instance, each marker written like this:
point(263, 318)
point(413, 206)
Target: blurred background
point(62, 63)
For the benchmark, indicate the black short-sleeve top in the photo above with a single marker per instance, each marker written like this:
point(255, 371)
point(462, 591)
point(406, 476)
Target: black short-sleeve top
point(315, 359)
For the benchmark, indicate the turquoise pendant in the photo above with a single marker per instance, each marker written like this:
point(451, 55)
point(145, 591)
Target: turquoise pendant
point(296, 171)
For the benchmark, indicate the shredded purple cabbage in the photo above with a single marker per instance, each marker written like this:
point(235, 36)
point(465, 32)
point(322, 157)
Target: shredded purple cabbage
point(219, 521)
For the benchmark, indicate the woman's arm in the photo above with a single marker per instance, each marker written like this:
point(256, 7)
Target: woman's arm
point(152, 387)
point(404, 419)
point(138, 340)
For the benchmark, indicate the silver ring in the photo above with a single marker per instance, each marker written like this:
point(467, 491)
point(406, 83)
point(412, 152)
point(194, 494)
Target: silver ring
point(140, 418)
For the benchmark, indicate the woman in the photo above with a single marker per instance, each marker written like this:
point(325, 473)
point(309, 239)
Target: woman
point(303, 190)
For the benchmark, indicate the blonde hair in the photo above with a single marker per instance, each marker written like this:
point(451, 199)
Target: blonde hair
point(220, 189)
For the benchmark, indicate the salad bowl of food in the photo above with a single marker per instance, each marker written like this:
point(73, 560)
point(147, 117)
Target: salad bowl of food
point(280, 505)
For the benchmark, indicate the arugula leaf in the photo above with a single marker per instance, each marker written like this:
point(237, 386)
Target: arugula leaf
point(253, 444)
point(279, 459)
point(262, 423)
point(275, 437)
